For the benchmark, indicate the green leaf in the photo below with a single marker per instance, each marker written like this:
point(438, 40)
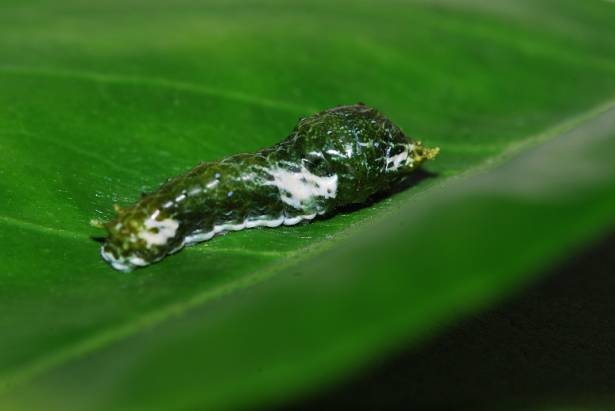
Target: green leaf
point(103, 101)
point(536, 350)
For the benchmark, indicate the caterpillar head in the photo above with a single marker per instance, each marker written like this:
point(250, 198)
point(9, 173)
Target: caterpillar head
point(409, 156)
point(137, 238)
point(420, 153)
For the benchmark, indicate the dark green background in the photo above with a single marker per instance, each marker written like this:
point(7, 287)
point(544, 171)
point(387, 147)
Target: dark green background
point(101, 101)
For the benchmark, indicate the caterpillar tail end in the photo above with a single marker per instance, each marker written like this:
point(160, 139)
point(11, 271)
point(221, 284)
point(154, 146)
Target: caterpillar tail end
point(430, 153)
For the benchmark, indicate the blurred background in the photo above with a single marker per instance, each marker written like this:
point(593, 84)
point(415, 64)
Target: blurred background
point(484, 283)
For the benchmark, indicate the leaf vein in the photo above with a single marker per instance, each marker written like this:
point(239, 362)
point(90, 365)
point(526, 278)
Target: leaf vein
point(157, 82)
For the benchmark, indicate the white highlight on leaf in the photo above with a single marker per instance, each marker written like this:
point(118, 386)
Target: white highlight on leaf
point(299, 188)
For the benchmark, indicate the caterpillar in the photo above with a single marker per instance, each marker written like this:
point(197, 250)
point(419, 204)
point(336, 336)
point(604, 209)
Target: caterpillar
point(331, 159)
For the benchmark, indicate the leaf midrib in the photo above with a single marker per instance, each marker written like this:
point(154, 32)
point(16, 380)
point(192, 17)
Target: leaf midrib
point(101, 340)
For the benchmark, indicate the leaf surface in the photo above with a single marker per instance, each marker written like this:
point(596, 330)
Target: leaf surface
point(101, 102)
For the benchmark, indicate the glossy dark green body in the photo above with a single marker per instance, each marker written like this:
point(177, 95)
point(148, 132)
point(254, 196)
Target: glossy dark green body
point(354, 149)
